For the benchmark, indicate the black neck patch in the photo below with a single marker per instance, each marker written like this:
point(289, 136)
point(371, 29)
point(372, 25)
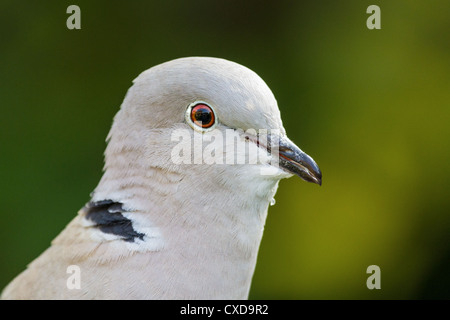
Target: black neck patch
point(107, 216)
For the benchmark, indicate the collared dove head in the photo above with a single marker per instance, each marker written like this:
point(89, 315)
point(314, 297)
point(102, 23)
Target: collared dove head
point(194, 158)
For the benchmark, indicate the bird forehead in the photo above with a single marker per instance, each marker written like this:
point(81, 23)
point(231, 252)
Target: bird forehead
point(239, 96)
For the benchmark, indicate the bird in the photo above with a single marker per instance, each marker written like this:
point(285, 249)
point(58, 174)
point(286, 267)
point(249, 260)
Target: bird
point(180, 209)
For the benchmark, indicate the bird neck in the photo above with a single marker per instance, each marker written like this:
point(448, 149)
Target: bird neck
point(202, 230)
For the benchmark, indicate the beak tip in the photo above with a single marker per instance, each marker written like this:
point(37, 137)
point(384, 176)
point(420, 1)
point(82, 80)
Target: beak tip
point(295, 161)
point(317, 178)
point(314, 173)
point(319, 181)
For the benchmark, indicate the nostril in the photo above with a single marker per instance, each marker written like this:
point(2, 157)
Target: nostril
point(284, 149)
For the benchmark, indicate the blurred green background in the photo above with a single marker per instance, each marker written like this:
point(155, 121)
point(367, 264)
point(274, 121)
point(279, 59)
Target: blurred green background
point(371, 106)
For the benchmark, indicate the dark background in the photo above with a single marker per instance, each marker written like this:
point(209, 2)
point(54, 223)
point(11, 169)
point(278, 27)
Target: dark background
point(371, 106)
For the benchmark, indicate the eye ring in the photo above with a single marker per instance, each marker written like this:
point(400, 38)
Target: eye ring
point(201, 116)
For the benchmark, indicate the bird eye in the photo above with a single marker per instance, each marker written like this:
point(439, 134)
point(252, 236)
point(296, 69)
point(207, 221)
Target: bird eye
point(201, 116)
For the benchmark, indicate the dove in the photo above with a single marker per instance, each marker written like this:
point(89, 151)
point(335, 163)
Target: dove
point(193, 160)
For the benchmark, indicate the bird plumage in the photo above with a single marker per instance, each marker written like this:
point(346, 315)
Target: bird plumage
point(155, 229)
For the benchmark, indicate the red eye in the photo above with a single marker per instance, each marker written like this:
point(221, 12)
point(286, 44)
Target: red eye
point(203, 115)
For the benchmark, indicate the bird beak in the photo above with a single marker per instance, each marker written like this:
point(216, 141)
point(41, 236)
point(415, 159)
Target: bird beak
point(294, 160)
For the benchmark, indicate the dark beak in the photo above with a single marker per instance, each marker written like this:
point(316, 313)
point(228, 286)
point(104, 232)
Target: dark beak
point(295, 161)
